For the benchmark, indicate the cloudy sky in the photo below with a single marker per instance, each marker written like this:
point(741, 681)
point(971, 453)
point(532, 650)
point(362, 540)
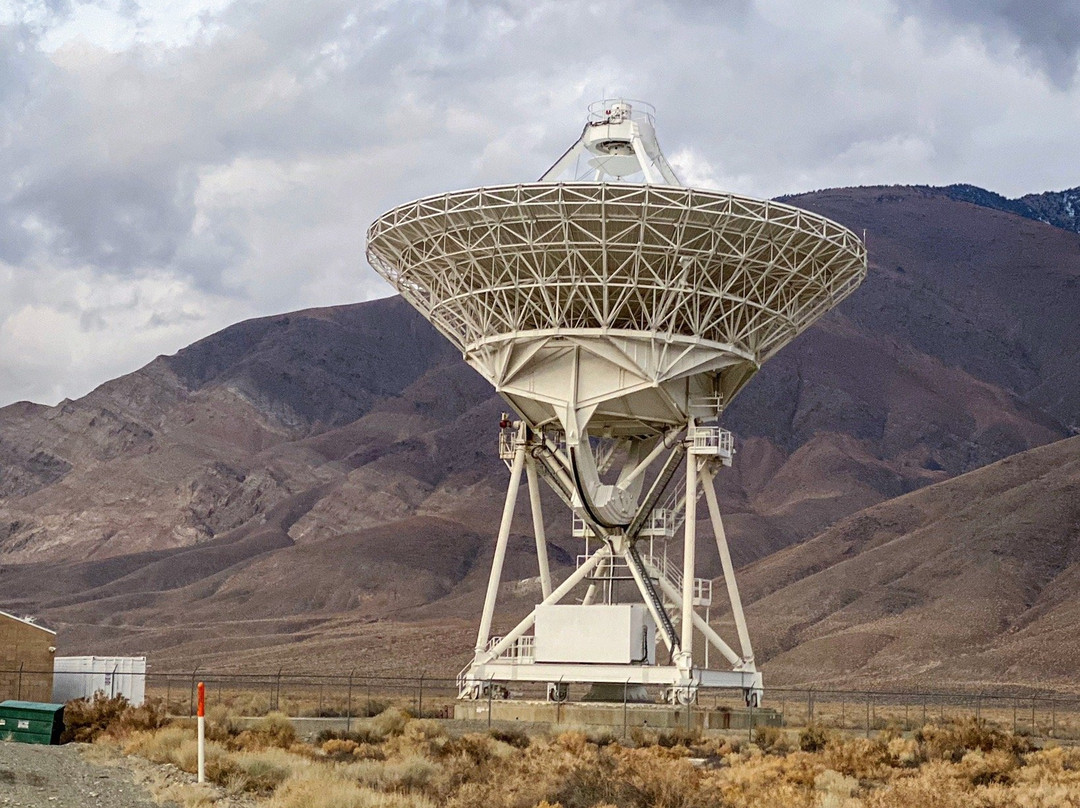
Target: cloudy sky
point(169, 167)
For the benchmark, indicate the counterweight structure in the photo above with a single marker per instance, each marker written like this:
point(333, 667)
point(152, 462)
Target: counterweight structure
point(618, 313)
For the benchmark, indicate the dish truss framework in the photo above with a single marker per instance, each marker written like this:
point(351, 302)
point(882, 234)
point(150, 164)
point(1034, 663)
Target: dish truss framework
point(618, 320)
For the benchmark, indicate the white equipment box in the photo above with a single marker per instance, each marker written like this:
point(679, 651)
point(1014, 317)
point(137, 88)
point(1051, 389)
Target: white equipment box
point(83, 676)
point(618, 634)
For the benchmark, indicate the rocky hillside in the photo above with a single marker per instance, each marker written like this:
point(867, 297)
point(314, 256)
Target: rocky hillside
point(326, 480)
point(971, 581)
point(1057, 208)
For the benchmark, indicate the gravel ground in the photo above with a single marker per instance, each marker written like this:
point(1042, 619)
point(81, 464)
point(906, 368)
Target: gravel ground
point(33, 776)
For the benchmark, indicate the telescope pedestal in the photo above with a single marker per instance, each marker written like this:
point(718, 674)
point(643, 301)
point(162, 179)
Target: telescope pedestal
point(669, 593)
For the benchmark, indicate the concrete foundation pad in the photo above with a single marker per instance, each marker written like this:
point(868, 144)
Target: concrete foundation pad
point(654, 716)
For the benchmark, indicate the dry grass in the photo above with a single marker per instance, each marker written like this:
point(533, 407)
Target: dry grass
point(398, 762)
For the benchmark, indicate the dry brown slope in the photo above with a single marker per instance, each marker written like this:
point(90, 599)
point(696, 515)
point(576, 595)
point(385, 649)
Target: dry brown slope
point(971, 581)
point(316, 451)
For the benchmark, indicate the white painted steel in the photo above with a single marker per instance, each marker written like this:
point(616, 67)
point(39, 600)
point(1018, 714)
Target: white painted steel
point(618, 633)
point(653, 287)
point(555, 597)
point(727, 567)
point(500, 671)
point(699, 622)
point(615, 317)
point(618, 143)
point(538, 527)
point(500, 549)
point(686, 644)
point(668, 641)
point(201, 749)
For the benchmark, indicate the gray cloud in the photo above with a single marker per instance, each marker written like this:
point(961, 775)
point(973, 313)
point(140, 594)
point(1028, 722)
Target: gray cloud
point(163, 177)
point(1047, 33)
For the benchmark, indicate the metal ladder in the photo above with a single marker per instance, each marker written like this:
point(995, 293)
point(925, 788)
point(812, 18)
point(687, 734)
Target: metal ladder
point(654, 596)
point(656, 491)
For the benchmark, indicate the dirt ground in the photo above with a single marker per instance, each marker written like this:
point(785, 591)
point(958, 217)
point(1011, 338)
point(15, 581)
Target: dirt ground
point(88, 776)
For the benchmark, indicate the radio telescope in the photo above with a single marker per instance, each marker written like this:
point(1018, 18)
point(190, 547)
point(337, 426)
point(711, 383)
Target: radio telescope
point(618, 313)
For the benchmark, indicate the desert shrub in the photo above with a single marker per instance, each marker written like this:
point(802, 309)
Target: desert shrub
point(422, 736)
point(272, 730)
point(640, 736)
point(361, 735)
point(410, 773)
point(325, 789)
point(514, 736)
point(339, 748)
point(87, 719)
point(952, 742)
point(813, 738)
point(374, 707)
point(771, 739)
point(834, 788)
point(177, 745)
point(369, 751)
point(601, 736)
point(680, 736)
point(857, 757)
point(389, 722)
point(221, 724)
point(590, 784)
point(262, 772)
point(474, 748)
point(654, 777)
point(904, 753)
point(986, 768)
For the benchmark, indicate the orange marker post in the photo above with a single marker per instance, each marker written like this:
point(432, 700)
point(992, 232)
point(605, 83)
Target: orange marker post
point(202, 732)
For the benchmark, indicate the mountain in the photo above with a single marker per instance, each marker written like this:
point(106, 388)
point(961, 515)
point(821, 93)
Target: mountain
point(971, 581)
point(326, 482)
point(1057, 208)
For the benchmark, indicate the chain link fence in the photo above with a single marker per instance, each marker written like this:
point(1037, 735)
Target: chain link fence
point(356, 695)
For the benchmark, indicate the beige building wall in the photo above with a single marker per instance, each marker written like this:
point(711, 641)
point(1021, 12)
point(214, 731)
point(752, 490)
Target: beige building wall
point(29, 647)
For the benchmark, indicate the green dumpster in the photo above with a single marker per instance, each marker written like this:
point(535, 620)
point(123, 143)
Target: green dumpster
point(31, 722)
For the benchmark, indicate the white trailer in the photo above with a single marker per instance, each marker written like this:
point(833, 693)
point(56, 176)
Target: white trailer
point(83, 676)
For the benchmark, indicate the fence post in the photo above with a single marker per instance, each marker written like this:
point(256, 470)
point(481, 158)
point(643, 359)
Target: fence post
point(1033, 732)
point(750, 722)
point(420, 701)
point(348, 704)
point(626, 685)
point(20, 680)
point(490, 689)
point(1053, 718)
point(1014, 715)
point(843, 711)
point(868, 715)
point(201, 752)
point(277, 697)
point(191, 697)
point(924, 709)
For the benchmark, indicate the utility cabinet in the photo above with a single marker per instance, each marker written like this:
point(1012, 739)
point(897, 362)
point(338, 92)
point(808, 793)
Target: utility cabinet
point(31, 722)
point(613, 634)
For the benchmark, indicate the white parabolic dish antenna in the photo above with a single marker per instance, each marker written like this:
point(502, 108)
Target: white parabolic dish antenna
point(618, 313)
